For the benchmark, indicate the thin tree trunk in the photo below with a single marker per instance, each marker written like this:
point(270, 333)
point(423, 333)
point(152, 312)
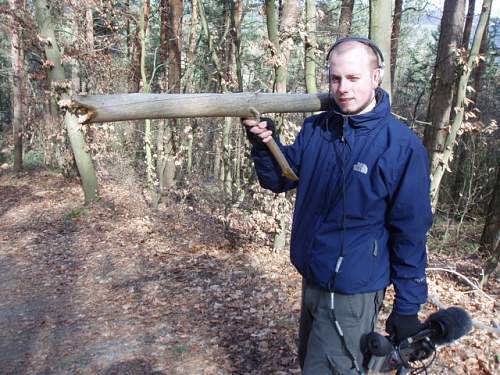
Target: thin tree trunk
point(236, 19)
point(442, 158)
point(189, 74)
point(190, 54)
point(273, 34)
point(490, 240)
point(396, 31)
point(148, 133)
point(468, 24)
point(17, 54)
point(380, 28)
point(89, 19)
point(174, 34)
point(281, 52)
point(463, 153)
point(56, 76)
point(311, 47)
point(345, 20)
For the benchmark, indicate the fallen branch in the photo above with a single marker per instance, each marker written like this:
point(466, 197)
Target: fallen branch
point(496, 329)
point(122, 107)
point(476, 287)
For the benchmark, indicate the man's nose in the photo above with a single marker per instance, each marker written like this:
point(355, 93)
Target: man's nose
point(343, 85)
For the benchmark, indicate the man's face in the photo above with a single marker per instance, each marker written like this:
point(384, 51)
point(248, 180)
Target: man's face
point(353, 80)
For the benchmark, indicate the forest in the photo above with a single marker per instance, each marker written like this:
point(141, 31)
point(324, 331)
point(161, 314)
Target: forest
point(134, 235)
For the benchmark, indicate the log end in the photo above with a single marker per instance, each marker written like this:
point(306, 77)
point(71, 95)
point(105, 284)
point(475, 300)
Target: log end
point(84, 114)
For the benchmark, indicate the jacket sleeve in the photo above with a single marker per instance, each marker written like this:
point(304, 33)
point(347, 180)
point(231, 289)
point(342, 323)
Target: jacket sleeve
point(409, 218)
point(268, 170)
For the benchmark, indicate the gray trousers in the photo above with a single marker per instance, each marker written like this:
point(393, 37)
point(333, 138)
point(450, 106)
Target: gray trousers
point(321, 350)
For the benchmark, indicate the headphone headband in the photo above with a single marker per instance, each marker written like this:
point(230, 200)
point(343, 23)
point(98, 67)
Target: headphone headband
point(360, 39)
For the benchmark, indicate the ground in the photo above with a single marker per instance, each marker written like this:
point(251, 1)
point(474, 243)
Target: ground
point(119, 288)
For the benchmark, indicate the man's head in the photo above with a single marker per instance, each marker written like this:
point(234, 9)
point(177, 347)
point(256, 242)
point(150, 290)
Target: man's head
point(355, 73)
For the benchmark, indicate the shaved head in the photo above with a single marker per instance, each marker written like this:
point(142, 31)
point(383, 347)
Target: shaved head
point(350, 45)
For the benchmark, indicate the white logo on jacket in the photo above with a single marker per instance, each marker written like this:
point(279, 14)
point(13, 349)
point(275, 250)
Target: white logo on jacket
point(360, 167)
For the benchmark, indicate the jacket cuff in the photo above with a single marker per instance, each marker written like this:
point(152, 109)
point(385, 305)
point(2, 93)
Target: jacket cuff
point(405, 308)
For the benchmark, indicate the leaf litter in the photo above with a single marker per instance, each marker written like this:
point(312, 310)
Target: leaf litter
point(117, 288)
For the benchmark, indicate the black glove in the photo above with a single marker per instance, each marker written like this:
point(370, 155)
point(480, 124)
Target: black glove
point(399, 327)
point(254, 139)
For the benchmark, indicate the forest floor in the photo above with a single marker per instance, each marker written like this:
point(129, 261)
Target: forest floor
point(117, 288)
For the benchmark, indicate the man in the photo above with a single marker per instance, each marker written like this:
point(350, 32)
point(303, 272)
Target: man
point(361, 215)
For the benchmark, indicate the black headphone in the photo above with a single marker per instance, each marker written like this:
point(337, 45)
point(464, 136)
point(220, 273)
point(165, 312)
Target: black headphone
point(360, 39)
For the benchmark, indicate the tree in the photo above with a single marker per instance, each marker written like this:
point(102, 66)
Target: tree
point(18, 84)
point(171, 33)
point(311, 46)
point(396, 31)
point(450, 38)
point(345, 19)
point(59, 83)
point(440, 158)
point(380, 28)
point(490, 240)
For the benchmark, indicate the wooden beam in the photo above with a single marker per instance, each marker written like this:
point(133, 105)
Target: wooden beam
point(122, 107)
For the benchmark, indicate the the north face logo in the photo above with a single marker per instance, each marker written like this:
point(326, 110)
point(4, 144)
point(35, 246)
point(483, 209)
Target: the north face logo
point(360, 167)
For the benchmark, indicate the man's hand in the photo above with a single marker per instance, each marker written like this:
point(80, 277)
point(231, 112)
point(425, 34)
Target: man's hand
point(402, 326)
point(259, 132)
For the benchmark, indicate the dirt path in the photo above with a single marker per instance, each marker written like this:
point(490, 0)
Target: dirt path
point(116, 289)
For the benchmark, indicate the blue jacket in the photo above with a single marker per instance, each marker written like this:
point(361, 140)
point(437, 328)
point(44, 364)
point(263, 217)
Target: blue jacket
point(363, 190)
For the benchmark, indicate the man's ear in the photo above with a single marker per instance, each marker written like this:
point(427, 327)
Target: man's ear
point(376, 78)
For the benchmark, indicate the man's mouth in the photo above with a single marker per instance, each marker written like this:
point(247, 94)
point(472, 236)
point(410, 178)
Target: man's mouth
point(345, 100)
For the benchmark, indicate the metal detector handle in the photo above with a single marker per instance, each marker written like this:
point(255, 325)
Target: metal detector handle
point(273, 147)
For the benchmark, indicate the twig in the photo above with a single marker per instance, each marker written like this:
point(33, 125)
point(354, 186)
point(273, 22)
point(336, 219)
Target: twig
point(435, 301)
point(464, 278)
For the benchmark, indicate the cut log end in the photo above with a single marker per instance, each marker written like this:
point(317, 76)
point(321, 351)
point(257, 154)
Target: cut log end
point(84, 114)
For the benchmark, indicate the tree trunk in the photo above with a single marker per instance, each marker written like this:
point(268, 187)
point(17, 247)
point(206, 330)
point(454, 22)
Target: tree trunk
point(396, 31)
point(236, 19)
point(450, 38)
point(345, 20)
point(273, 34)
point(463, 154)
point(56, 77)
point(192, 43)
point(173, 33)
point(281, 52)
point(380, 28)
point(89, 19)
point(442, 158)
point(17, 54)
point(311, 47)
point(444, 80)
point(490, 240)
point(468, 24)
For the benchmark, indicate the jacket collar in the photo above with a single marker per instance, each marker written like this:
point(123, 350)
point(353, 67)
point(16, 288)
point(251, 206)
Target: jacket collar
point(345, 127)
point(366, 120)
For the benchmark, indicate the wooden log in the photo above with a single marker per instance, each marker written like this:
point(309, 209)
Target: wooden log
point(122, 107)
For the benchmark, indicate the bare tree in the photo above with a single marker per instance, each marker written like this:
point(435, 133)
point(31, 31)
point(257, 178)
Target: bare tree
point(345, 19)
point(396, 31)
point(380, 29)
point(441, 157)
point(311, 46)
point(490, 240)
point(18, 82)
point(58, 81)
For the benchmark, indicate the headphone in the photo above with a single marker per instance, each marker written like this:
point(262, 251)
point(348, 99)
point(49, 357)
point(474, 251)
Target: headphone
point(366, 41)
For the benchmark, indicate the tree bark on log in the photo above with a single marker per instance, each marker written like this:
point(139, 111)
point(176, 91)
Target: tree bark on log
point(122, 107)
